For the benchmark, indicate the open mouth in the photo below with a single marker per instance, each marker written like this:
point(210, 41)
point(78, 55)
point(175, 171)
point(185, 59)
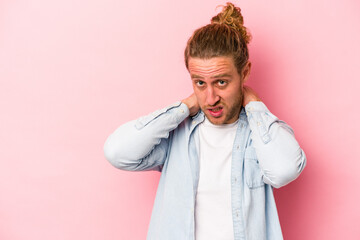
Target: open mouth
point(216, 111)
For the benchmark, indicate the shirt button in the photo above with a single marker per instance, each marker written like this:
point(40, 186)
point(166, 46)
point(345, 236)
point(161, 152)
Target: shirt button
point(237, 147)
point(181, 110)
point(193, 122)
point(235, 179)
point(258, 123)
point(266, 138)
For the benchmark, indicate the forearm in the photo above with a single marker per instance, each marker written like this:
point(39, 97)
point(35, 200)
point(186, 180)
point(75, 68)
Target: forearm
point(142, 144)
point(280, 157)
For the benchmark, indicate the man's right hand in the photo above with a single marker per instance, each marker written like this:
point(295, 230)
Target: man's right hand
point(192, 103)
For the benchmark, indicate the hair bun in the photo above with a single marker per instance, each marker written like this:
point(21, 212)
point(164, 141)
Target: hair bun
point(231, 16)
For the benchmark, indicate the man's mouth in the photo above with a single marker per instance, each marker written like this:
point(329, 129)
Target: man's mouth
point(216, 111)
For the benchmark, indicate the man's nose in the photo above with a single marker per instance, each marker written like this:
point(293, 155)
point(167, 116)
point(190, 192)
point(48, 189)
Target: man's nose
point(211, 96)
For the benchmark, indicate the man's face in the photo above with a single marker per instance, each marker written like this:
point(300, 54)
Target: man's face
point(218, 88)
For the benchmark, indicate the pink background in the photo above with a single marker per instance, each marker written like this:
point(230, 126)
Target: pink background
point(72, 71)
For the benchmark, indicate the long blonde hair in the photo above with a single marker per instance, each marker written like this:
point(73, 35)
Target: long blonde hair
point(226, 35)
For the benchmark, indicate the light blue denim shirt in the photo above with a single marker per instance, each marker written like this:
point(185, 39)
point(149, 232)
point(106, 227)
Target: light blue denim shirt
point(265, 155)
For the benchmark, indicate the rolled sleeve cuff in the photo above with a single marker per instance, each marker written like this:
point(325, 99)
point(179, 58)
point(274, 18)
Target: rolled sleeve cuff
point(176, 112)
point(255, 106)
point(260, 119)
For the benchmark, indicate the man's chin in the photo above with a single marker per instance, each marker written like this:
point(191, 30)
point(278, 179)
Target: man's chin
point(223, 119)
point(215, 120)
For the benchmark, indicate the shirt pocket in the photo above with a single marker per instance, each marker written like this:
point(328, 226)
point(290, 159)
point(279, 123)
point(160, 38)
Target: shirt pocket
point(253, 173)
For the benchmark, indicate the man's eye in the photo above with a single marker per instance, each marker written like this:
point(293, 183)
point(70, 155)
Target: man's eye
point(200, 83)
point(221, 82)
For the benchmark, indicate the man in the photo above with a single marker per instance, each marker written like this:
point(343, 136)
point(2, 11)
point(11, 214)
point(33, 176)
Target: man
point(220, 150)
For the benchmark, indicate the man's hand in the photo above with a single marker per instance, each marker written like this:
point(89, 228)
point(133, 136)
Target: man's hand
point(192, 103)
point(249, 95)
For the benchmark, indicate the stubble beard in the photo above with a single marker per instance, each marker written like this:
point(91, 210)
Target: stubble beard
point(233, 110)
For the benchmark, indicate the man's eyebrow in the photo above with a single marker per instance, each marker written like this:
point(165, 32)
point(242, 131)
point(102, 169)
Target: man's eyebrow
point(216, 76)
point(195, 76)
point(222, 75)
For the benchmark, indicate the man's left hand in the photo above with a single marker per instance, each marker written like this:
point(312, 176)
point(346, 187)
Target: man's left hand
point(249, 95)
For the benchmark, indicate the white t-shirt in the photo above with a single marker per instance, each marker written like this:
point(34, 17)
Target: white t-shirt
point(213, 216)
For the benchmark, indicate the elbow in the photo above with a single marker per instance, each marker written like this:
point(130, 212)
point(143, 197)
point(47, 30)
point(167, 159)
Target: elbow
point(286, 172)
point(111, 154)
point(117, 162)
point(123, 149)
point(282, 178)
point(117, 156)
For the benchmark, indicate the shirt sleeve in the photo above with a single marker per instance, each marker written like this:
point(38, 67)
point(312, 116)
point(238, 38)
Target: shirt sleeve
point(142, 144)
point(280, 157)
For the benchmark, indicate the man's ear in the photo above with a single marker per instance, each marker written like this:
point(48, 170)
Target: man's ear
point(245, 72)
